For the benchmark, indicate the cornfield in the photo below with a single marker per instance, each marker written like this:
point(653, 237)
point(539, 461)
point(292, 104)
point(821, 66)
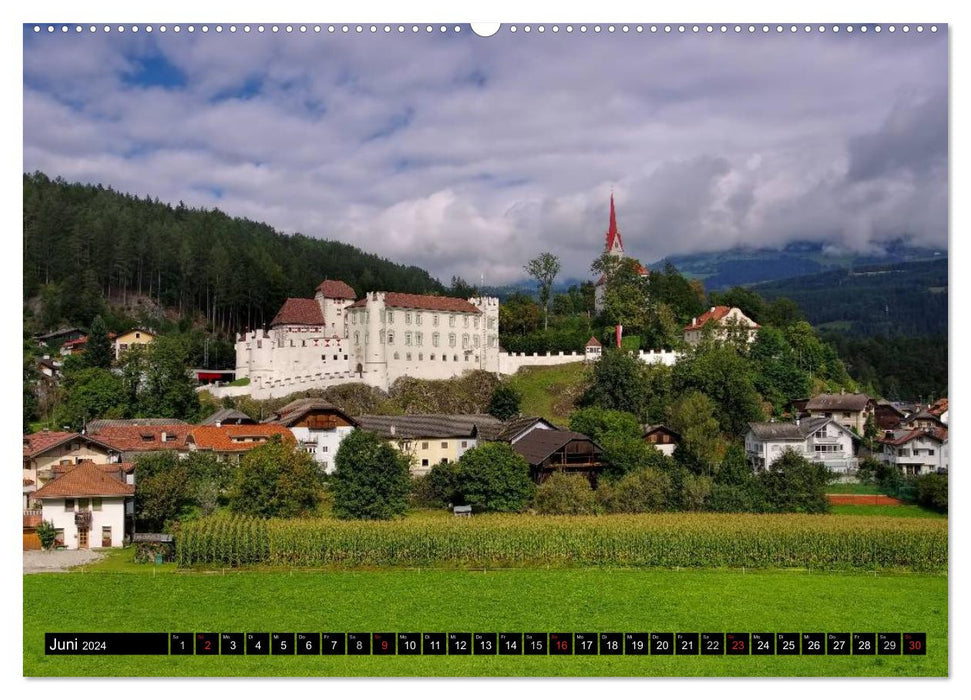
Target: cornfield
point(666, 540)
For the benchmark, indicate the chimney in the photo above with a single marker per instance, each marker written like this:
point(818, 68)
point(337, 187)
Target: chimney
point(711, 310)
point(797, 421)
point(219, 424)
point(392, 431)
point(164, 436)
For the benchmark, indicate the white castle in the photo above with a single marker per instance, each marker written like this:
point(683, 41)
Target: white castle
point(336, 338)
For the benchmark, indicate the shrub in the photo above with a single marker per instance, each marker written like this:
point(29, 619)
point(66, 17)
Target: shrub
point(599, 422)
point(47, 534)
point(275, 480)
point(371, 480)
point(643, 491)
point(494, 477)
point(737, 498)
point(793, 484)
point(444, 483)
point(696, 491)
point(504, 403)
point(623, 454)
point(932, 491)
point(868, 470)
point(565, 494)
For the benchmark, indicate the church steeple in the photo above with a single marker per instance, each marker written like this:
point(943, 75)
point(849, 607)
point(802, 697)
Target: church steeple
point(615, 244)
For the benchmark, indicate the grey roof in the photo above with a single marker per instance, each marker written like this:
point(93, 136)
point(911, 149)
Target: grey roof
point(540, 444)
point(228, 416)
point(648, 429)
point(923, 415)
point(838, 402)
point(428, 425)
point(784, 430)
point(297, 409)
point(96, 426)
point(58, 332)
point(514, 427)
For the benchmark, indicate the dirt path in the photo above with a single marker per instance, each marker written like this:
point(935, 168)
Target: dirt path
point(36, 562)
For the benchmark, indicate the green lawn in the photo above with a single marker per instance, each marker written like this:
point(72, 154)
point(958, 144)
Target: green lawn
point(864, 489)
point(903, 511)
point(549, 391)
point(118, 596)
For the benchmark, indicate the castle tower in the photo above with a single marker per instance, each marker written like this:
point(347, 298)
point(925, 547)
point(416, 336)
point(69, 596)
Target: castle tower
point(334, 297)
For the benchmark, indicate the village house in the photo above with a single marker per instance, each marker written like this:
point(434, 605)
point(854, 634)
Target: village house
point(513, 430)
point(58, 337)
point(428, 439)
point(593, 350)
point(230, 442)
point(724, 321)
point(563, 451)
point(131, 439)
point(87, 505)
point(922, 420)
point(915, 451)
point(819, 439)
point(44, 450)
point(849, 410)
point(318, 426)
point(662, 437)
point(939, 409)
point(129, 339)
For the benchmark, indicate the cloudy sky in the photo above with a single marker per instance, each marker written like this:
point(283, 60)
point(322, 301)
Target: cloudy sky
point(469, 155)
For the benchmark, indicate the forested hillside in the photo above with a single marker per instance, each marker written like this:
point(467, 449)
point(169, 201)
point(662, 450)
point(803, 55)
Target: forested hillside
point(85, 243)
point(900, 299)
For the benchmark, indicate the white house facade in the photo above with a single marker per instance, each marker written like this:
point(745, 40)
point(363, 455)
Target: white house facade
point(318, 426)
point(916, 452)
point(821, 440)
point(86, 506)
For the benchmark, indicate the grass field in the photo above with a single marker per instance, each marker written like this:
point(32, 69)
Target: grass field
point(904, 511)
point(549, 392)
point(118, 596)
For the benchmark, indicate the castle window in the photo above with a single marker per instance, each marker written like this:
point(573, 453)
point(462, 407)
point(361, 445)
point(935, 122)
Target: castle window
point(455, 358)
point(408, 317)
point(434, 319)
point(303, 343)
point(259, 344)
point(465, 340)
point(444, 357)
point(465, 321)
point(390, 337)
point(390, 316)
point(397, 356)
point(408, 356)
point(435, 340)
point(491, 323)
point(418, 339)
point(324, 358)
point(407, 337)
point(476, 323)
point(357, 337)
point(451, 320)
point(381, 336)
point(451, 340)
point(432, 356)
point(421, 357)
point(418, 317)
point(476, 341)
point(335, 357)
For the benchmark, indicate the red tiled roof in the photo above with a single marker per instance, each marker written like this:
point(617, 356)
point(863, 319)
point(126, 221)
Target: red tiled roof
point(424, 302)
point(300, 312)
point(593, 342)
point(109, 468)
point(77, 342)
point(938, 407)
point(234, 438)
point(143, 438)
point(903, 437)
point(336, 289)
point(86, 479)
point(716, 314)
point(38, 443)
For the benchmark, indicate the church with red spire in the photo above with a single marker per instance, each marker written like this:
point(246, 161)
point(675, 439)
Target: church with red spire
point(615, 247)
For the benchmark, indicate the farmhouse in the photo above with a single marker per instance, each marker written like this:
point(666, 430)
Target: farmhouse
point(549, 451)
point(130, 441)
point(44, 450)
point(819, 439)
point(86, 505)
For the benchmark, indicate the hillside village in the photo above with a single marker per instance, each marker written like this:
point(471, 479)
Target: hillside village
point(84, 482)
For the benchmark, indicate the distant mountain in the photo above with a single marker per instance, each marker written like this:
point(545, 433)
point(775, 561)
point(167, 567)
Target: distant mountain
point(896, 299)
point(747, 266)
